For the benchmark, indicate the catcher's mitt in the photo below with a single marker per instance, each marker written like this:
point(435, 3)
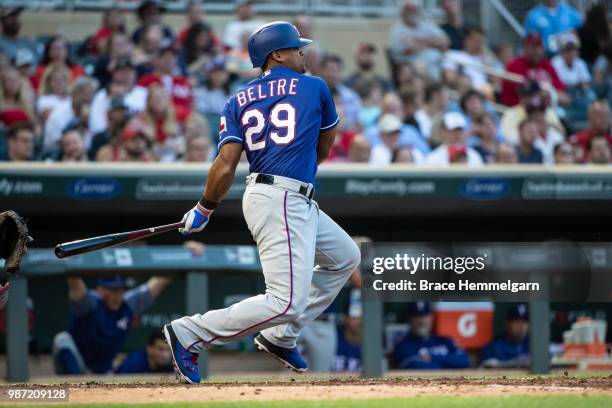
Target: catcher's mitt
point(13, 239)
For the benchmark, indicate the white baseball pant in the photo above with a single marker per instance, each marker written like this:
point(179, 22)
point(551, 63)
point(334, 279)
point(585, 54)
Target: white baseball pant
point(292, 235)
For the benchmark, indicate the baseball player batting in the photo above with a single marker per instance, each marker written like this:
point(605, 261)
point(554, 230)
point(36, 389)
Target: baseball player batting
point(285, 121)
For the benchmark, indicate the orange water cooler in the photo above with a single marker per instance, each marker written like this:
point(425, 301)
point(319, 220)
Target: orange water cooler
point(470, 324)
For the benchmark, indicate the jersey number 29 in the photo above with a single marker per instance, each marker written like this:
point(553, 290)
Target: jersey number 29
point(282, 116)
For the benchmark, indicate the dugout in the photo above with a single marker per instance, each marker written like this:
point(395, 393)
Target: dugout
point(396, 203)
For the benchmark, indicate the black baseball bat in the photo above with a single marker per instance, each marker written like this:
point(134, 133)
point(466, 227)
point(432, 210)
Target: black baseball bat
point(82, 246)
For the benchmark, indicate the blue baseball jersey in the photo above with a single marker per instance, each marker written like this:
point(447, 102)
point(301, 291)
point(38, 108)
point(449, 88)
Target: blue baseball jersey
point(504, 350)
point(98, 332)
point(277, 119)
point(348, 355)
point(433, 352)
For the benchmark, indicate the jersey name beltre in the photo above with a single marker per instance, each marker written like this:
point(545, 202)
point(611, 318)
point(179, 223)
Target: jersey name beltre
point(276, 87)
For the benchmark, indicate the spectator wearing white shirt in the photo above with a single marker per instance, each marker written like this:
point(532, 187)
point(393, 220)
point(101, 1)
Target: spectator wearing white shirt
point(465, 62)
point(123, 83)
point(418, 40)
point(390, 126)
point(53, 90)
point(572, 69)
point(435, 103)
point(244, 25)
point(453, 134)
point(78, 109)
point(549, 136)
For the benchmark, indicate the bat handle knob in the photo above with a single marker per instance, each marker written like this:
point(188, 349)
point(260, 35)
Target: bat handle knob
point(59, 251)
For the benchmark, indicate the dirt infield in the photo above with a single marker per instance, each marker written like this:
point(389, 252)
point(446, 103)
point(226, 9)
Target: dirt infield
point(170, 391)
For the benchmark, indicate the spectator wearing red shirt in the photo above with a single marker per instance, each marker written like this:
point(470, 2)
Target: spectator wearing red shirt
point(600, 124)
point(113, 21)
point(534, 66)
point(56, 51)
point(177, 86)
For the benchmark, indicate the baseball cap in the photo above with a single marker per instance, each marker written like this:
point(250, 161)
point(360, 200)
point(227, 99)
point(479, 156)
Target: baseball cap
point(454, 120)
point(135, 128)
point(389, 123)
point(114, 282)
point(518, 312)
point(419, 309)
point(533, 39)
point(569, 41)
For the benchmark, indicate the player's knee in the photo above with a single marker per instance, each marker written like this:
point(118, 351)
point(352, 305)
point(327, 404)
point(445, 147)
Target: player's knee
point(62, 340)
point(294, 308)
point(353, 257)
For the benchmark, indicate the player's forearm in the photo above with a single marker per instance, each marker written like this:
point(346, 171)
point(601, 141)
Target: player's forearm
point(220, 179)
point(157, 284)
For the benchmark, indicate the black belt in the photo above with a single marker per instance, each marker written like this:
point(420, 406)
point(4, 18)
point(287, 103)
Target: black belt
point(269, 179)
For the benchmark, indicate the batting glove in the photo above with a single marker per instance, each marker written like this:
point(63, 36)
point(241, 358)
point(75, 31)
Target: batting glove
point(195, 219)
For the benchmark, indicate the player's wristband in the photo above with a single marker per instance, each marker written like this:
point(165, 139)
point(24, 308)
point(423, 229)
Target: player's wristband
point(207, 204)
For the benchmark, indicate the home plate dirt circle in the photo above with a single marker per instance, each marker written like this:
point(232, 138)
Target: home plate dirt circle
point(93, 392)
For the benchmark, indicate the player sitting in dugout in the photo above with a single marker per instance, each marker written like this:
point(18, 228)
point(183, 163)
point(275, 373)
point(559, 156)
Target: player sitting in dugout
point(99, 322)
point(421, 349)
point(511, 349)
point(154, 358)
point(348, 348)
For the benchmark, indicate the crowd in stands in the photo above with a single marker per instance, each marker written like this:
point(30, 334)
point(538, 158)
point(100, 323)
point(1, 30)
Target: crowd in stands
point(155, 94)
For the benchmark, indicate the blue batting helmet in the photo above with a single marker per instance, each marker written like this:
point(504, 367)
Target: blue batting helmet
point(273, 36)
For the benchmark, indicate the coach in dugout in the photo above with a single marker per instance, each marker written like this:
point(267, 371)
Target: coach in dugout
point(99, 322)
point(421, 349)
point(511, 349)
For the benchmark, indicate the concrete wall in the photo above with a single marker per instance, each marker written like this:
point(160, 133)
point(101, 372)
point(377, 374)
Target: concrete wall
point(334, 34)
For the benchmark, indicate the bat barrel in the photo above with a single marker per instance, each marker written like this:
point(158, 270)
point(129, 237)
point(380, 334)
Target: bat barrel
point(87, 245)
point(72, 248)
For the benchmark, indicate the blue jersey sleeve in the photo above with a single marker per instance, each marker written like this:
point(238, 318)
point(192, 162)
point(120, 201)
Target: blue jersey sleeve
point(139, 298)
point(229, 129)
point(329, 117)
point(84, 305)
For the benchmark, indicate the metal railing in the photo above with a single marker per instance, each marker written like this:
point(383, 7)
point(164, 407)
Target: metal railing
point(375, 8)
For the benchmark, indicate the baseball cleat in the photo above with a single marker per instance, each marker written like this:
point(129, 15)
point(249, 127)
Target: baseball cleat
point(185, 362)
point(290, 357)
